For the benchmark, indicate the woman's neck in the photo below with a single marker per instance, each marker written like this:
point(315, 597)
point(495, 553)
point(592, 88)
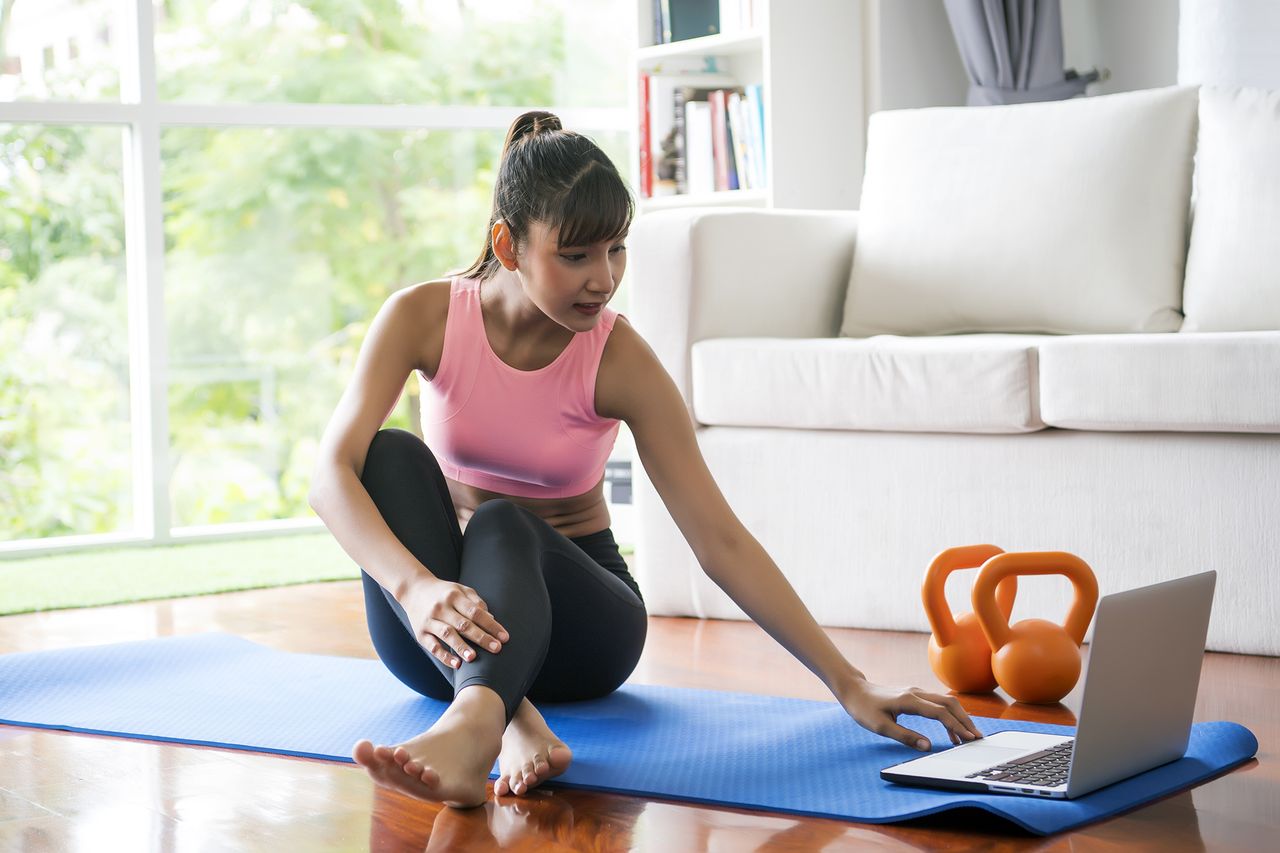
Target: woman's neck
point(513, 315)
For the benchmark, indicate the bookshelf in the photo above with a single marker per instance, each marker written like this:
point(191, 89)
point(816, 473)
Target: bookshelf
point(806, 58)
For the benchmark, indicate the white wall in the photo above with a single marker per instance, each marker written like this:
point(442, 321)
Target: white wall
point(915, 62)
point(1230, 43)
point(1136, 39)
point(918, 61)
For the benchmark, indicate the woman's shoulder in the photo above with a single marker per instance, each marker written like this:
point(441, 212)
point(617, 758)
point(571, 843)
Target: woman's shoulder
point(627, 357)
point(429, 303)
point(425, 290)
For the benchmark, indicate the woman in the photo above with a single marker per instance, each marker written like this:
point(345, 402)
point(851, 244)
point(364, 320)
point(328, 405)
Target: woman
point(491, 576)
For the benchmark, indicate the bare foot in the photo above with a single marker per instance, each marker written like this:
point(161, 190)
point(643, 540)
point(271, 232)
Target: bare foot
point(448, 763)
point(531, 753)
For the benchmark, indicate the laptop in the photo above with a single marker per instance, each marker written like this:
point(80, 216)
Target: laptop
point(1139, 697)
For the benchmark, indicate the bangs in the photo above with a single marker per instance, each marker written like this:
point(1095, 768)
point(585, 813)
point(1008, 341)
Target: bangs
point(596, 208)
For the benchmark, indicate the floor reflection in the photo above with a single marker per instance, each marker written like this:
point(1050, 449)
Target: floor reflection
point(542, 819)
point(1056, 714)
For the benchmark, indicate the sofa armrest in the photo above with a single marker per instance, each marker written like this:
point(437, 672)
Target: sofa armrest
point(699, 273)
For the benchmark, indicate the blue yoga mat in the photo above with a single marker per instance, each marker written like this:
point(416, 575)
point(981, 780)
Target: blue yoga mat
point(761, 752)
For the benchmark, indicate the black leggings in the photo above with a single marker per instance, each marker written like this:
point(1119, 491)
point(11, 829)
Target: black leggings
point(574, 615)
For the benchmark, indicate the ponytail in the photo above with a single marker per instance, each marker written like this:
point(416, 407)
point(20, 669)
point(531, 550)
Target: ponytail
point(556, 177)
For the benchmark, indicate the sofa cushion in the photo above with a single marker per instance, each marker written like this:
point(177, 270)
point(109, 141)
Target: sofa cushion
point(960, 383)
point(1233, 262)
point(1208, 382)
point(1060, 217)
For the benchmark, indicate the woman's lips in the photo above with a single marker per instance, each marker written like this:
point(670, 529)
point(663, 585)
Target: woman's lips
point(585, 308)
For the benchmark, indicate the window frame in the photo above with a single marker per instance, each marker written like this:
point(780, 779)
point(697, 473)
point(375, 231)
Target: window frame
point(143, 117)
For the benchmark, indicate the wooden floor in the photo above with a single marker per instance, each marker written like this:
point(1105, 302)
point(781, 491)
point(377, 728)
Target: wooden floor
point(64, 792)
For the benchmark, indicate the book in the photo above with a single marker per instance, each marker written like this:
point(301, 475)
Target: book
point(662, 34)
point(755, 115)
point(731, 16)
point(738, 135)
point(662, 135)
point(680, 167)
point(719, 139)
point(736, 15)
point(693, 18)
point(666, 111)
point(646, 169)
point(697, 147)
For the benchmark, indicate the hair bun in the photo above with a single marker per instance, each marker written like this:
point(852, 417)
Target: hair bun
point(534, 122)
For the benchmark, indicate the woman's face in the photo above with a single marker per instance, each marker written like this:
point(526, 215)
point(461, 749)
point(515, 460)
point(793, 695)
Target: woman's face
point(570, 284)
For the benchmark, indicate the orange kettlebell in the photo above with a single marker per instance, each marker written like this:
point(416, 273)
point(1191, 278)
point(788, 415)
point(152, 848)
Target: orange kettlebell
point(958, 650)
point(1035, 660)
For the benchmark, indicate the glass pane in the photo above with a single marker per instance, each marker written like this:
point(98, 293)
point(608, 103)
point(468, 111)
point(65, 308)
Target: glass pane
point(61, 50)
point(571, 53)
point(281, 247)
point(64, 333)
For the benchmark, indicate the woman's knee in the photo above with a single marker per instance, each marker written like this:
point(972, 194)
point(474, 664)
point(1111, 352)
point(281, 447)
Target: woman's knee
point(499, 513)
point(391, 450)
point(389, 444)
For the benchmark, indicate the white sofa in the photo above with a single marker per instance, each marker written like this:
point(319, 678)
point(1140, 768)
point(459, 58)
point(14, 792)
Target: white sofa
point(1022, 338)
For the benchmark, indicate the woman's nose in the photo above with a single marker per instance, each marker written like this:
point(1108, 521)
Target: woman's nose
point(602, 277)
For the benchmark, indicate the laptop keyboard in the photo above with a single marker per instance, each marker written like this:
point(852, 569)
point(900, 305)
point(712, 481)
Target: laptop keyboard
point(1048, 767)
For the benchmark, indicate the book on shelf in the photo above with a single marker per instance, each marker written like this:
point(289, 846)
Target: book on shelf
point(720, 150)
point(678, 20)
point(699, 156)
point(661, 131)
point(701, 133)
point(755, 130)
point(738, 138)
point(646, 168)
point(746, 127)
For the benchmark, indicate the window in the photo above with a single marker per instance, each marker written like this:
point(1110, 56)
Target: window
point(64, 343)
point(193, 238)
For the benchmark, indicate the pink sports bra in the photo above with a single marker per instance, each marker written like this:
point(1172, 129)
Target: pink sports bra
point(526, 433)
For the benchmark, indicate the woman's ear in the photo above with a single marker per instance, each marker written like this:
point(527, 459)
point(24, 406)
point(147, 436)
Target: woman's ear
point(503, 247)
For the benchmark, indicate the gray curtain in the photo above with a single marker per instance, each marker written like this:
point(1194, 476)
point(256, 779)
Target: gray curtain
point(1012, 50)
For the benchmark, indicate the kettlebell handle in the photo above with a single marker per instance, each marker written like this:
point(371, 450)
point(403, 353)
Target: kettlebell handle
point(941, 621)
point(995, 624)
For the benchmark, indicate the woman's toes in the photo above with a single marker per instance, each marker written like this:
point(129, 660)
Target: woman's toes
point(559, 756)
point(412, 767)
point(401, 755)
point(362, 752)
point(499, 787)
point(383, 753)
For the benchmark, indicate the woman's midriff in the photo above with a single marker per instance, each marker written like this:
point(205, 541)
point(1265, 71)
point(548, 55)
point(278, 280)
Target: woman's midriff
point(573, 517)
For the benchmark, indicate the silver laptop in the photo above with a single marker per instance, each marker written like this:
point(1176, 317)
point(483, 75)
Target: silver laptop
point(1139, 698)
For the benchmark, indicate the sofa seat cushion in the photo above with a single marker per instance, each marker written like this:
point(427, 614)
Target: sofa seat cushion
point(1190, 382)
point(983, 383)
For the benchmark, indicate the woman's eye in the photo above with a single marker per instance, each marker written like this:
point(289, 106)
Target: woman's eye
point(575, 258)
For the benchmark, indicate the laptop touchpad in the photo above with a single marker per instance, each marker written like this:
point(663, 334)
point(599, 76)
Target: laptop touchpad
point(979, 753)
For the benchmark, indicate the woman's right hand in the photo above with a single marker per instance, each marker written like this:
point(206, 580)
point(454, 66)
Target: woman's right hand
point(444, 615)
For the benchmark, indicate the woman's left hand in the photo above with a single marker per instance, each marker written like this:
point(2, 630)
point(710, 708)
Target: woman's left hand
point(876, 708)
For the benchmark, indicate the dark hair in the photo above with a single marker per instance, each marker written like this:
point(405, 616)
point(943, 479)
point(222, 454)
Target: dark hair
point(559, 178)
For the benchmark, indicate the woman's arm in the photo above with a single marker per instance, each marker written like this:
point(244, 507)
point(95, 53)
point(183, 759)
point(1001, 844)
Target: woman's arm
point(336, 494)
point(653, 409)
